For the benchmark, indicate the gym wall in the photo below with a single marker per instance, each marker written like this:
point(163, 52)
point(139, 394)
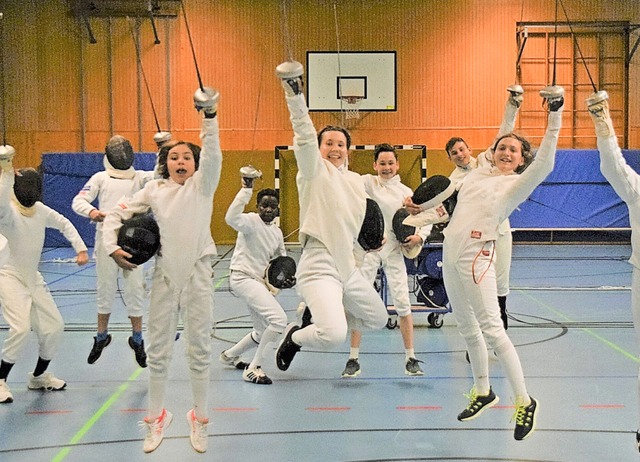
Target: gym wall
point(455, 58)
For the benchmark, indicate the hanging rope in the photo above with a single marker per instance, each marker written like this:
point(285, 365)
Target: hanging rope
point(555, 46)
point(284, 24)
point(521, 49)
point(575, 40)
point(2, 93)
point(335, 19)
point(136, 43)
point(193, 51)
point(255, 120)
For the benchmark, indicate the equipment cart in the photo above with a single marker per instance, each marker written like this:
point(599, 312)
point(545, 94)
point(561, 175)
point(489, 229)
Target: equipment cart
point(426, 286)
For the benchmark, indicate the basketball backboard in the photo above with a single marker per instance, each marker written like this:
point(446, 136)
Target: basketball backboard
point(370, 75)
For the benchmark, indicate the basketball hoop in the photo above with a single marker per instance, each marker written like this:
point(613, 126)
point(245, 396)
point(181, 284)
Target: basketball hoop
point(351, 106)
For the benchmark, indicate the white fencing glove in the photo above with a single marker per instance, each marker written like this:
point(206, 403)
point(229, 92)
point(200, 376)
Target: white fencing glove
point(515, 95)
point(598, 106)
point(161, 138)
point(553, 97)
point(6, 157)
point(248, 174)
point(206, 100)
point(290, 74)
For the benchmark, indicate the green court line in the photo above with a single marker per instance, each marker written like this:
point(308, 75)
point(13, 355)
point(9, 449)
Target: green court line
point(607, 342)
point(95, 417)
point(221, 280)
point(112, 399)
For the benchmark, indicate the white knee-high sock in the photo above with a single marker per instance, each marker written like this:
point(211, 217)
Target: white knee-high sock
point(245, 344)
point(510, 362)
point(200, 392)
point(479, 360)
point(157, 388)
point(269, 337)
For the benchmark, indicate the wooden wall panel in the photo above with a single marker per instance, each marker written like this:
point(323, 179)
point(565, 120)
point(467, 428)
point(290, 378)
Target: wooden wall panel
point(455, 59)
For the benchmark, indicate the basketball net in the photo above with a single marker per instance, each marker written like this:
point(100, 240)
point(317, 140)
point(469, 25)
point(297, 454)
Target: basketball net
point(351, 106)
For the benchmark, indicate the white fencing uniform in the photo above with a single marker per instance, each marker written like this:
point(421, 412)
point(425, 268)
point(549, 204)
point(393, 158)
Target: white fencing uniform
point(332, 208)
point(485, 200)
point(257, 244)
point(389, 194)
point(109, 190)
point(182, 279)
point(504, 247)
point(626, 183)
point(26, 301)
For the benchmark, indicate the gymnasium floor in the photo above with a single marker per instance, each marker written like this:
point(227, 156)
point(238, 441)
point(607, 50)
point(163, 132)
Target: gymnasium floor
point(571, 324)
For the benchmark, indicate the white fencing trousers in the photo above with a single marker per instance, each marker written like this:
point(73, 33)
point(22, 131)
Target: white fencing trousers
point(504, 248)
point(477, 311)
point(193, 302)
point(107, 283)
point(395, 270)
point(26, 309)
point(635, 310)
point(331, 301)
point(264, 309)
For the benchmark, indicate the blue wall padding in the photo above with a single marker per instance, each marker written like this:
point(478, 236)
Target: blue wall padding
point(64, 175)
point(575, 195)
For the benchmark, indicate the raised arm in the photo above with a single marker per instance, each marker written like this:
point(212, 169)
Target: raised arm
point(305, 140)
point(508, 124)
point(208, 174)
point(624, 180)
point(542, 166)
point(235, 216)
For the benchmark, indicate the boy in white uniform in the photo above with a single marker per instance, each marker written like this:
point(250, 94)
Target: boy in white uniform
point(626, 183)
point(182, 203)
point(118, 180)
point(388, 191)
point(259, 241)
point(332, 209)
point(26, 301)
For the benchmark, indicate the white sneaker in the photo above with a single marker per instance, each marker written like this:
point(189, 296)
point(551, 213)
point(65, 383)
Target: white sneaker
point(155, 430)
point(5, 393)
point(46, 381)
point(256, 375)
point(199, 436)
point(233, 361)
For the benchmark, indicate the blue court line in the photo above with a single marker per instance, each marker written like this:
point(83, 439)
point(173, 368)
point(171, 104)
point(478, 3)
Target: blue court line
point(600, 338)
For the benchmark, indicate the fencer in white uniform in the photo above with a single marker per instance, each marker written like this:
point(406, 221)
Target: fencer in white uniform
point(332, 208)
point(459, 153)
point(26, 301)
point(118, 180)
point(626, 183)
point(182, 204)
point(259, 241)
point(388, 191)
point(486, 197)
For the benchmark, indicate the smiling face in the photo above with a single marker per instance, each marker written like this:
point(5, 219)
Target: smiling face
point(333, 147)
point(507, 155)
point(460, 154)
point(268, 208)
point(386, 165)
point(181, 163)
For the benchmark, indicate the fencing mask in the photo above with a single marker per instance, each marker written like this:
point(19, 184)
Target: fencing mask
point(140, 236)
point(119, 153)
point(372, 229)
